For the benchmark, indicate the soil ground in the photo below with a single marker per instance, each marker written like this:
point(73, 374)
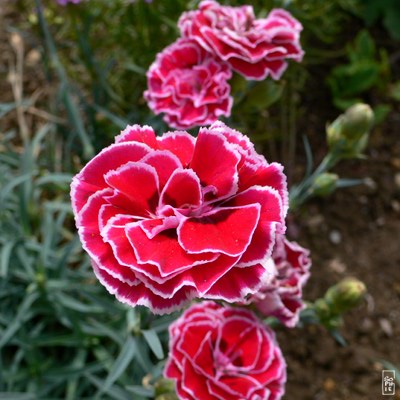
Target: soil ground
point(354, 232)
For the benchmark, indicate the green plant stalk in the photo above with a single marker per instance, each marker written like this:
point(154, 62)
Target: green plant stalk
point(299, 194)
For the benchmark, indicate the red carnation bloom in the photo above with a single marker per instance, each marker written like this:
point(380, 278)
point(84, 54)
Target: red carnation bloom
point(282, 297)
point(253, 47)
point(224, 353)
point(166, 219)
point(189, 85)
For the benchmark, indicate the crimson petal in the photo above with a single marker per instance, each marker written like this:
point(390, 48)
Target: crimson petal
point(215, 162)
point(139, 183)
point(266, 175)
point(163, 251)
point(271, 222)
point(93, 243)
point(182, 189)
point(91, 178)
point(225, 230)
point(136, 133)
point(164, 162)
point(179, 143)
point(139, 295)
point(241, 281)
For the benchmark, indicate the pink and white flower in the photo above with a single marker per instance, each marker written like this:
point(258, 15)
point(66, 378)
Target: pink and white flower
point(282, 298)
point(224, 353)
point(189, 85)
point(167, 219)
point(253, 47)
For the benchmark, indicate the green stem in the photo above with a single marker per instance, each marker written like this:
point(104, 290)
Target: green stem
point(299, 194)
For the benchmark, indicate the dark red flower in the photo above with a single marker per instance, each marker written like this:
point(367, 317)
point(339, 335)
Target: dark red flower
point(224, 353)
point(189, 85)
point(166, 219)
point(253, 47)
point(282, 297)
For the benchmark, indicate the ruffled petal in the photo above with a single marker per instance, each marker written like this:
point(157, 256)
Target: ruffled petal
point(163, 251)
point(139, 295)
point(215, 163)
point(224, 230)
point(137, 133)
point(182, 190)
point(271, 221)
point(179, 143)
point(138, 182)
point(164, 162)
point(91, 178)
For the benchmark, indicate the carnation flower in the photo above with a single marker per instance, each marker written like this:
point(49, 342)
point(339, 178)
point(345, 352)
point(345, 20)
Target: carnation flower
point(224, 353)
point(253, 47)
point(167, 219)
point(282, 297)
point(188, 85)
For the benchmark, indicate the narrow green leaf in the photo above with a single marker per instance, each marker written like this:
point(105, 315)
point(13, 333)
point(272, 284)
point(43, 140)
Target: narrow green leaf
point(154, 343)
point(14, 183)
point(22, 315)
point(118, 121)
point(126, 355)
point(16, 396)
point(114, 392)
point(141, 391)
point(5, 258)
point(74, 304)
point(54, 178)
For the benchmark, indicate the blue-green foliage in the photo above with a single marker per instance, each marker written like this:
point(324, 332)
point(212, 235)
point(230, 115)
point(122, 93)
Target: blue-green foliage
point(61, 334)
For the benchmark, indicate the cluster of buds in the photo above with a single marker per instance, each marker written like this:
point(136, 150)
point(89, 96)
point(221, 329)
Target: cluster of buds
point(348, 134)
point(339, 299)
point(347, 137)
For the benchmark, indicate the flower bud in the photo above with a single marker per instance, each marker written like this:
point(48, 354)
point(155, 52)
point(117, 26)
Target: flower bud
point(350, 130)
point(164, 388)
point(324, 184)
point(345, 295)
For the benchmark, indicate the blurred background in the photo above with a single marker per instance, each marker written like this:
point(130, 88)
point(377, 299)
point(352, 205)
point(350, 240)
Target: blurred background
point(71, 77)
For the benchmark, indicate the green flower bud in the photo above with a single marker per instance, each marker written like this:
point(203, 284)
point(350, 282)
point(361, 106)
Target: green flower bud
point(324, 184)
point(345, 295)
point(350, 130)
point(358, 120)
point(322, 309)
point(164, 387)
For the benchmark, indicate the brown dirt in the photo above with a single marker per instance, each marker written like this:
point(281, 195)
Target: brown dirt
point(367, 221)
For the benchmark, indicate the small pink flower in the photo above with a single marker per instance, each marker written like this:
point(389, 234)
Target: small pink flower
point(167, 219)
point(65, 2)
point(224, 353)
point(253, 47)
point(282, 297)
point(188, 85)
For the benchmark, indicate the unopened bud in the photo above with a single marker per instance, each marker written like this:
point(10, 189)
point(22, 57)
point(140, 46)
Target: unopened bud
point(350, 130)
point(322, 309)
point(324, 184)
point(164, 387)
point(345, 295)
